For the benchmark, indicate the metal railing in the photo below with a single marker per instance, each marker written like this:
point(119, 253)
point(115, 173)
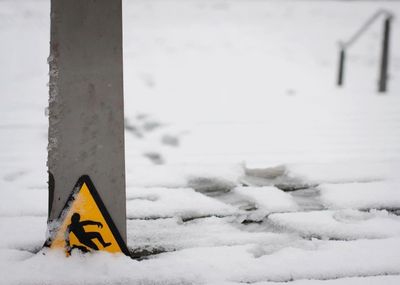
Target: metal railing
point(384, 63)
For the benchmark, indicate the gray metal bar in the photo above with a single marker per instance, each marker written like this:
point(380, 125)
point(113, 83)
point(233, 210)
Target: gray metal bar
point(342, 57)
point(383, 73)
point(86, 120)
point(364, 27)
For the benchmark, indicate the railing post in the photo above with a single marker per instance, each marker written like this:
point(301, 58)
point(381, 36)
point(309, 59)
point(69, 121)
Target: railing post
point(342, 57)
point(384, 63)
point(383, 73)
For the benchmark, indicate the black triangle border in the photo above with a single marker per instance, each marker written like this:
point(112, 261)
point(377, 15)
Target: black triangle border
point(92, 189)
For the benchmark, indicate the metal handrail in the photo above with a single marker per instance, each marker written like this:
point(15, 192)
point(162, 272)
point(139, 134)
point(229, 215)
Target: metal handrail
point(345, 45)
point(365, 27)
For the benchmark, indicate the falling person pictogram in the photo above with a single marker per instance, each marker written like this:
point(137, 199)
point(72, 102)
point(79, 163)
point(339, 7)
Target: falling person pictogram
point(75, 227)
point(86, 238)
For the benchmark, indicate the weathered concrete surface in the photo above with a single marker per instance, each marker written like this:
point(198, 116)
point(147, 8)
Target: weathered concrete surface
point(86, 120)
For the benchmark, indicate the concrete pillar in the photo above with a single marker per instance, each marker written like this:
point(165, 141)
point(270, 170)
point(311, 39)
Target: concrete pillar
point(86, 120)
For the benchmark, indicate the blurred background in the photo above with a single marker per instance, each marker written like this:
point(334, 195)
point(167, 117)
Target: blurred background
point(214, 85)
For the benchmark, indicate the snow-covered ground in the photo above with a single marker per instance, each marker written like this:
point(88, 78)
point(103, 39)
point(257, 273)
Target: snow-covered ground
point(245, 164)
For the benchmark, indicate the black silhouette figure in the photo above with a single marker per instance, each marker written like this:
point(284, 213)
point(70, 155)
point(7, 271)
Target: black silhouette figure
point(85, 238)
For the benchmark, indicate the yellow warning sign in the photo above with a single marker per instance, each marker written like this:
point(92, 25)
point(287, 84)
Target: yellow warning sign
point(85, 223)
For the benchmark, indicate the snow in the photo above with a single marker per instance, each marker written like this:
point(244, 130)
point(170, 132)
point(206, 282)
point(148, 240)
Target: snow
point(173, 234)
point(24, 233)
point(375, 195)
point(341, 225)
point(180, 176)
point(349, 172)
point(389, 280)
point(305, 260)
point(30, 203)
point(268, 199)
point(227, 102)
point(153, 203)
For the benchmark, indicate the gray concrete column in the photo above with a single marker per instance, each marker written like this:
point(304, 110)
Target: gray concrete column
point(86, 113)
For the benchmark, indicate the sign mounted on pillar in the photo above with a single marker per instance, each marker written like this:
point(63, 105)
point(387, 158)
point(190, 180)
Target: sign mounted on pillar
point(85, 223)
point(86, 126)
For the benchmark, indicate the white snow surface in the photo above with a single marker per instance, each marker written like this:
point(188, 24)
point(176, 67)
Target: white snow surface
point(153, 203)
point(342, 224)
point(172, 234)
point(242, 263)
point(266, 199)
point(381, 194)
point(212, 89)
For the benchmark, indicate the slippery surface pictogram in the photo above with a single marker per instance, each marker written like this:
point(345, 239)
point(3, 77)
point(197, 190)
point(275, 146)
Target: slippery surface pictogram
point(85, 223)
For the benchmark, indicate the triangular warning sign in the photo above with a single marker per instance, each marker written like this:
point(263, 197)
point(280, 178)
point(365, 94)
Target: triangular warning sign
point(85, 224)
